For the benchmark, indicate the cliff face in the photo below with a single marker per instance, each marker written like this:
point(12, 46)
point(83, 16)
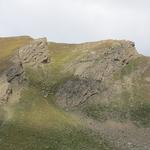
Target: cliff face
point(43, 84)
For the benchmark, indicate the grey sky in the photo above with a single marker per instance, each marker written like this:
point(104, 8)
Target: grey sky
point(76, 21)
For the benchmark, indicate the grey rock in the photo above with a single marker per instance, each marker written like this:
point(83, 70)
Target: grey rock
point(76, 92)
point(14, 71)
point(35, 53)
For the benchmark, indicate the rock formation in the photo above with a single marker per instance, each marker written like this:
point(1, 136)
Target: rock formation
point(33, 55)
point(94, 72)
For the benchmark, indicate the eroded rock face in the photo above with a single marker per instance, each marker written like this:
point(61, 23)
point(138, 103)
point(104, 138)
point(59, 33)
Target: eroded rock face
point(76, 92)
point(95, 72)
point(103, 62)
point(35, 53)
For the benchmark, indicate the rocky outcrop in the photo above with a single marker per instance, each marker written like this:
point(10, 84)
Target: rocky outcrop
point(35, 53)
point(94, 71)
point(103, 62)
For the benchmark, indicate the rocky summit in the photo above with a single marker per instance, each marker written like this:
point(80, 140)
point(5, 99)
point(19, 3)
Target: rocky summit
point(88, 96)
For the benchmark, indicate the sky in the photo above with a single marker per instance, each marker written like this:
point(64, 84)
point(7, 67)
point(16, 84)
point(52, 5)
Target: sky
point(76, 21)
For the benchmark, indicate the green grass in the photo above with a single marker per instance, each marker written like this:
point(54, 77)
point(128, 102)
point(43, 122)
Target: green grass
point(34, 110)
point(2, 115)
point(127, 106)
point(104, 112)
point(17, 137)
point(36, 124)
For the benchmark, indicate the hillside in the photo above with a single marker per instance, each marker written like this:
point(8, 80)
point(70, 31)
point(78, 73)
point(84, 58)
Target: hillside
point(88, 96)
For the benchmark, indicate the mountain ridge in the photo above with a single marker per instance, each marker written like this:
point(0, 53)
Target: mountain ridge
point(78, 87)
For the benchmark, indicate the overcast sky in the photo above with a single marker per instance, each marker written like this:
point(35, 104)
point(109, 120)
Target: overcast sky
point(76, 21)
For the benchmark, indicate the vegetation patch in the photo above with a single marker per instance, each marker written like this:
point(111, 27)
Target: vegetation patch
point(15, 136)
point(34, 110)
point(122, 110)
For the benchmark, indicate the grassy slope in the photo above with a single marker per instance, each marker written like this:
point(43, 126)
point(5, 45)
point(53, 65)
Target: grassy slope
point(133, 102)
point(36, 123)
